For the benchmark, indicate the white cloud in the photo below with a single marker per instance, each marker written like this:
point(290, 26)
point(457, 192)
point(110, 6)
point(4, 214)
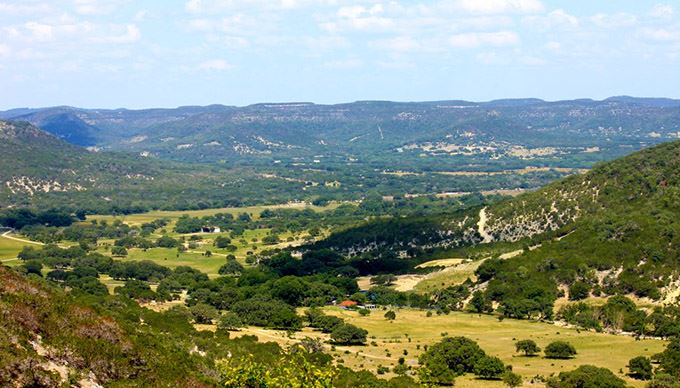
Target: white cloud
point(661, 34)
point(398, 44)
point(40, 31)
point(9, 8)
point(214, 65)
point(97, 7)
point(330, 42)
point(500, 6)
point(344, 64)
point(193, 6)
point(557, 19)
point(662, 11)
point(4, 50)
point(360, 18)
point(618, 20)
point(127, 34)
point(479, 39)
point(553, 46)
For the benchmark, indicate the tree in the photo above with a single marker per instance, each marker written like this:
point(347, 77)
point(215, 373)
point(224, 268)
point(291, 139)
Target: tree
point(229, 321)
point(451, 357)
point(489, 368)
point(231, 267)
point(167, 242)
point(203, 313)
point(222, 242)
point(560, 350)
point(511, 379)
point(383, 280)
point(579, 291)
point(640, 367)
point(480, 303)
point(118, 251)
point(34, 267)
point(586, 376)
point(528, 346)
point(669, 359)
point(348, 334)
point(390, 315)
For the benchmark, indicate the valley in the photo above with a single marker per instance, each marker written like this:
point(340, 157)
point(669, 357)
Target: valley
point(363, 253)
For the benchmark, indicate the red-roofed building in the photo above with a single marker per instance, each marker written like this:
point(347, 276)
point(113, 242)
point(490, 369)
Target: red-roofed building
point(347, 303)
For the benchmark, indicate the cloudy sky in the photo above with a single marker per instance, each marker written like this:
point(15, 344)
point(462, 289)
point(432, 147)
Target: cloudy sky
point(144, 53)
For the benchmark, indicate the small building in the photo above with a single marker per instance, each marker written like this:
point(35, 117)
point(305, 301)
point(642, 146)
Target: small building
point(211, 229)
point(345, 304)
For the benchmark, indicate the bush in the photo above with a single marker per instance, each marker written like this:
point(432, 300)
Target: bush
point(640, 368)
point(512, 380)
point(586, 376)
point(528, 346)
point(560, 350)
point(489, 368)
point(230, 322)
point(390, 315)
point(579, 291)
point(203, 313)
point(118, 251)
point(347, 334)
point(451, 357)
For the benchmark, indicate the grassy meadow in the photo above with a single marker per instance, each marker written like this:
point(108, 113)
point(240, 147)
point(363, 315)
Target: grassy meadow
point(412, 330)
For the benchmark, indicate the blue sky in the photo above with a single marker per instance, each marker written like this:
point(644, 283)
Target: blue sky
point(166, 53)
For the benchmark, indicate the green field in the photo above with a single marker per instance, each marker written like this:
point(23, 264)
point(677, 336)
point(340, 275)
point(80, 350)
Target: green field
point(495, 337)
point(9, 249)
point(254, 211)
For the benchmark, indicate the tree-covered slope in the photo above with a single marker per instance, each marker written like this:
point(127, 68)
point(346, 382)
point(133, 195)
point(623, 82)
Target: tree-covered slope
point(38, 169)
point(614, 230)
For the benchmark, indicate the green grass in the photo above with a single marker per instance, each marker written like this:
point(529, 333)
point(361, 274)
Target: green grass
point(9, 250)
point(495, 337)
point(254, 211)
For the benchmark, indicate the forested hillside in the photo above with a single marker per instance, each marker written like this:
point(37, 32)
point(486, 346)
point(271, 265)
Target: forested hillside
point(611, 231)
point(38, 169)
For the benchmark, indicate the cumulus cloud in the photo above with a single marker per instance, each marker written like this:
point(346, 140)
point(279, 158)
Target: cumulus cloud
point(661, 34)
point(344, 64)
point(558, 19)
point(121, 35)
point(617, 20)
point(479, 39)
point(500, 6)
point(214, 65)
point(662, 11)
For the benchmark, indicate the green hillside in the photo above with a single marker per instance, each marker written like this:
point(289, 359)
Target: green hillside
point(611, 231)
point(40, 170)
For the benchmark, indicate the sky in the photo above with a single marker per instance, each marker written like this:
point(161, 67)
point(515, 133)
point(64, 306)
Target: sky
point(167, 53)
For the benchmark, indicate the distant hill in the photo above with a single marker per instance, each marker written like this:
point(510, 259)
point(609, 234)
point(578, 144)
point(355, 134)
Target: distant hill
point(302, 131)
point(37, 168)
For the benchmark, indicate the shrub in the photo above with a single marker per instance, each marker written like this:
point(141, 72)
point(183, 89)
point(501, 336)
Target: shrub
point(560, 350)
point(640, 367)
point(348, 334)
point(203, 313)
point(528, 346)
point(489, 368)
point(586, 376)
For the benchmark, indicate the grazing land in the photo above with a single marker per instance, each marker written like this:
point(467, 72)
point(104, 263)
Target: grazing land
point(412, 330)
